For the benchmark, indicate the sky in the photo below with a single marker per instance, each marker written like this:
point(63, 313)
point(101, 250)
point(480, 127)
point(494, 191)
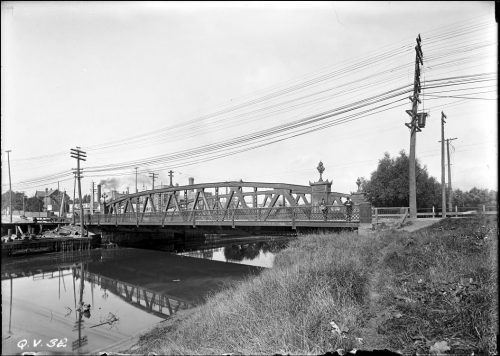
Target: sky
point(227, 91)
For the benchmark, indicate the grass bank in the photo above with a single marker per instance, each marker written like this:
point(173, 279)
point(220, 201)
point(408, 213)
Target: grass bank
point(401, 291)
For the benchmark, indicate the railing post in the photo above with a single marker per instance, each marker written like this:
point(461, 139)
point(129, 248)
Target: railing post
point(484, 208)
point(376, 215)
point(433, 212)
point(365, 213)
point(194, 218)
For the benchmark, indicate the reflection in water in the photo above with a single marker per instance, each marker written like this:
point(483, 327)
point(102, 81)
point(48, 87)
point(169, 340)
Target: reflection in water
point(259, 253)
point(159, 304)
point(91, 302)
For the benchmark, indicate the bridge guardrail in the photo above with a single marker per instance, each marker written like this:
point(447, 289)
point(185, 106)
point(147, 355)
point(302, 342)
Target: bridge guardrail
point(398, 212)
point(299, 213)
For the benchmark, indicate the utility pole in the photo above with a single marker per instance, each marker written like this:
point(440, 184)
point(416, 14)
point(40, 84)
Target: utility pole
point(443, 183)
point(170, 174)
point(10, 187)
point(92, 198)
point(416, 124)
point(59, 195)
point(63, 209)
point(137, 191)
point(153, 175)
point(79, 155)
point(450, 190)
point(74, 200)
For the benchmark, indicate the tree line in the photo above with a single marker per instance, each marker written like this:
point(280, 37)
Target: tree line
point(388, 186)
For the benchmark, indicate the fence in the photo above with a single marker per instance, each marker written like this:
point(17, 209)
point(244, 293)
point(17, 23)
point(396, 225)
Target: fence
point(399, 212)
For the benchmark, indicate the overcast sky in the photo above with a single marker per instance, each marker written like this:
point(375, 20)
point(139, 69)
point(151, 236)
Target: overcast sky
point(131, 81)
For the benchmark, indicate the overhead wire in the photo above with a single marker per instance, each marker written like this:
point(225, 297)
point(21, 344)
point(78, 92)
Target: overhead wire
point(228, 115)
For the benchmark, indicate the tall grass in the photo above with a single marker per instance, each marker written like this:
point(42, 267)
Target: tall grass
point(421, 280)
point(286, 309)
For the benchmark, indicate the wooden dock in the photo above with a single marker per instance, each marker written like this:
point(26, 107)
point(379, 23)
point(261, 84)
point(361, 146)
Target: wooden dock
point(43, 245)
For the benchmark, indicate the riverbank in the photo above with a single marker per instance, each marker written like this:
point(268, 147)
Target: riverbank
point(432, 290)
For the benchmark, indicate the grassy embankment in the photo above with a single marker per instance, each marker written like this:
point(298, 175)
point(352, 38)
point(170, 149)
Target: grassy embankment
point(395, 290)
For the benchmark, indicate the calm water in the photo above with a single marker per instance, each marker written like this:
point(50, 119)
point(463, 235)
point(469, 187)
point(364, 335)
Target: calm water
point(260, 253)
point(128, 290)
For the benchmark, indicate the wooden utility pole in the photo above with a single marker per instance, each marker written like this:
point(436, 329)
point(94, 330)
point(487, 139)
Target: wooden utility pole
point(443, 183)
point(74, 200)
point(416, 124)
point(137, 198)
point(137, 191)
point(92, 198)
point(10, 187)
point(79, 155)
point(450, 191)
point(153, 176)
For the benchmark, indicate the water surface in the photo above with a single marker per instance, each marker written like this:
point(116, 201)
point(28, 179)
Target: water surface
point(123, 291)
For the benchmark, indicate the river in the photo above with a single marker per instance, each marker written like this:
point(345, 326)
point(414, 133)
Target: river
point(47, 305)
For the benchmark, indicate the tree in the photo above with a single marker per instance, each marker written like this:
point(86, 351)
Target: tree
point(34, 204)
point(17, 200)
point(474, 197)
point(389, 184)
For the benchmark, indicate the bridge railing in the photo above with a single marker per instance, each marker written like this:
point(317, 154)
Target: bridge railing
point(297, 213)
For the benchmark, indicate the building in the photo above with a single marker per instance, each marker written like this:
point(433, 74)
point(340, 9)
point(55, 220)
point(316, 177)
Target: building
point(52, 199)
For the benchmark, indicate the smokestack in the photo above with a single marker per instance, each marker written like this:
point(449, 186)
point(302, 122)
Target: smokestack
point(99, 196)
point(191, 182)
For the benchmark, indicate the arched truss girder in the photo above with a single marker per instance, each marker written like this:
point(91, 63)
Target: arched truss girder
point(216, 201)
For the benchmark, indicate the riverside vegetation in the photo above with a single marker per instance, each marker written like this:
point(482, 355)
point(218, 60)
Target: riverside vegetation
point(430, 291)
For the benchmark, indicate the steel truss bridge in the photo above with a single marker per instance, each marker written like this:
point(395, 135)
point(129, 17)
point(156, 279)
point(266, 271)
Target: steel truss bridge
point(231, 204)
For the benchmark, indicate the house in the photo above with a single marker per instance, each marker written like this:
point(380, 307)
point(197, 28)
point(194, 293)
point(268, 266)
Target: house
point(52, 199)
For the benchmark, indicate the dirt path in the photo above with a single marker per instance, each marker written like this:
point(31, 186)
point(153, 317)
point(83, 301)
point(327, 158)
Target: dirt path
point(376, 312)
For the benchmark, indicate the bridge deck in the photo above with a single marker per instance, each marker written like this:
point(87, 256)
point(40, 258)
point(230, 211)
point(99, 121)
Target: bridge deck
point(284, 217)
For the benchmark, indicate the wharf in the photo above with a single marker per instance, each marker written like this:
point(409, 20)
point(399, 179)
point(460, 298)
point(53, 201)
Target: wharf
point(55, 244)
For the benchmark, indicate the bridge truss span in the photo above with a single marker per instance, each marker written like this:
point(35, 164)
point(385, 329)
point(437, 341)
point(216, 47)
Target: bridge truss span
point(228, 203)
